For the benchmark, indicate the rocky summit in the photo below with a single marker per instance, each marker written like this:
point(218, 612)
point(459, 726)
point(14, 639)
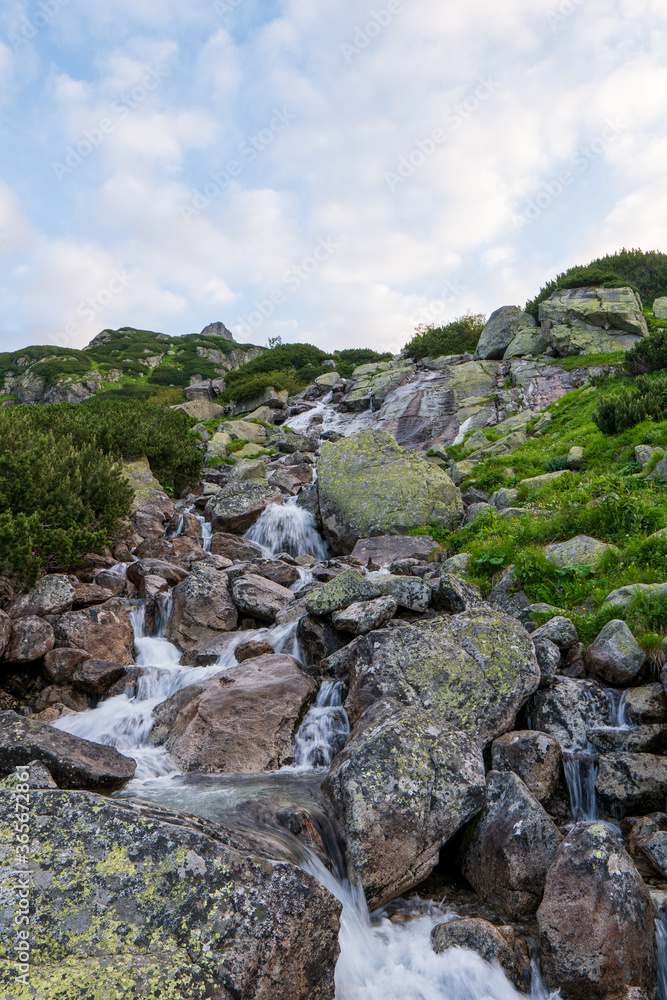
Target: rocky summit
point(340, 676)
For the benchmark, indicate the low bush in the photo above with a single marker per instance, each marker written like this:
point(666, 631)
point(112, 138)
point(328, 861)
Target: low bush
point(647, 400)
point(459, 337)
point(649, 355)
point(254, 385)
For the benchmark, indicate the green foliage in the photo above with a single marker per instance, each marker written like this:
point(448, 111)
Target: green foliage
point(648, 355)
point(647, 400)
point(458, 337)
point(254, 385)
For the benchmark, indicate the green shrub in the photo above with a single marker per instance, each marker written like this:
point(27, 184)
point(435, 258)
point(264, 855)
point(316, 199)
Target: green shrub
point(646, 401)
point(649, 355)
point(459, 337)
point(254, 385)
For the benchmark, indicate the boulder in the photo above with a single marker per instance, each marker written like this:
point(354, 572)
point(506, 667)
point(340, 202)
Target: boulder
point(91, 593)
point(201, 409)
point(349, 587)
point(251, 649)
point(637, 782)
point(615, 656)
point(60, 663)
point(625, 595)
point(638, 739)
point(558, 630)
point(238, 505)
point(147, 489)
point(470, 672)
point(386, 549)
point(592, 320)
point(410, 592)
point(104, 631)
point(596, 918)
point(481, 937)
point(96, 676)
point(5, 632)
point(403, 786)
point(568, 709)
point(364, 616)
point(73, 762)
point(457, 564)
point(29, 640)
point(173, 574)
point(369, 485)
point(549, 657)
point(235, 548)
point(129, 905)
point(534, 756)
point(373, 383)
point(456, 595)
point(52, 595)
point(202, 608)
point(503, 499)
point(502, 327)
point(575, 458)
point(646, 704)
point(260, 598)
point(579, 551)
point(654, 849)
point(526, 342)
point(660, 307)
point(508, 852)
point(277, 571)
point(243, 720)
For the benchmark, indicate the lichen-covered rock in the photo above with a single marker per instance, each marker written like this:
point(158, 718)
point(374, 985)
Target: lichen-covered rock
point(646, 704)
point(558, 630)
point(238, 505)
point(243, 720)
point(637, 782)
point(592, 320)
point(132, 905)
point(203, 607)
point(375, 385)
point(403, 787)
point(568, 709)
point(534, 756)
point(482, 937)
point(364, 616)
point(410, 592)
point(386, 549)
point(507, 855)
point(349, 587)
point(615, 656)
point(73, 762)
point(549, 657)
point(52, 595)
point(579, 551)
point(104, 631)
point(29, 640)
point(502, 327)
point(625, 595)
point(259, 597)
point(369, 485)
point(526, 342)
point(471, 672)
point(455, 594)
point(596, 918)
point(147, 489)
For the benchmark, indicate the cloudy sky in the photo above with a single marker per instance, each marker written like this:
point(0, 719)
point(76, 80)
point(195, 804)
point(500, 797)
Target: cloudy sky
point(327, 172)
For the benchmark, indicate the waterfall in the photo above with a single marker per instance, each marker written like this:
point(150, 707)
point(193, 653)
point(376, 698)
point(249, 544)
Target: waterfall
point(325, 730)
point(287, 528)
point(580, 767)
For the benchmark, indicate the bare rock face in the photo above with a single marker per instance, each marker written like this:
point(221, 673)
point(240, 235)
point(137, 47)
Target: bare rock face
point(403, 786)
point(596, 918)
point(52, 595)
point(202, 608)
point(364, 616)
point(73, 762)
point(178, 910)
point(104, 631)
point(243, 720)
point(508, 854)
point(96, 676)
point(30, 639)
point(534, 756)
point(490, 942)
point(261, 598)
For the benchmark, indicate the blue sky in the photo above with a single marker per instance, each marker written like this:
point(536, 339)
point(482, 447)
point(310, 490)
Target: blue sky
point(333, 173)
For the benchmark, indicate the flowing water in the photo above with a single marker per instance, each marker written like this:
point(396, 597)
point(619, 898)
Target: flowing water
point(325, 730)
point(288, 528)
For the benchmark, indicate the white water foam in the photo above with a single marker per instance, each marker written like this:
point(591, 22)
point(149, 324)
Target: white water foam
point(325, 730)
point(287, 528)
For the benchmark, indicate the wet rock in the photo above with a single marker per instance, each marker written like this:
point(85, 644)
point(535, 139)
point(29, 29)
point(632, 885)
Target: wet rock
point(176, 912)
point(364, 616)
point(502, 327)
point(471, 672)
point(104, 631)
point(91, 593)
point(548, 656)
point(254, 647)
point(455, 595)
point(482, 937)
point(29, 640)
point(203, 607)
point(507, 855)
point(237, 506)
point(277, 571)
point(535, 757)
point(173, 574)
point(60, 663)
point(403, 786)
point(349, 587)
point(615, 656)
point(568, 709)
point(259, 597)
point(96, 676)
point(596, 918)
point(579, 551)
point(243, 720)
point(640, 739)
point(52, 595)
point(369, 485)
point(646, 704)
point(637, 782)
point(73, 762)
point(387, 549)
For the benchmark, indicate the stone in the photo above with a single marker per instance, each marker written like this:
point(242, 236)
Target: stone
point(568, 709)
point(60, 663)
point(457, 564)
point(476, 440)
point(625, 595)
point(482, 937)
point(218, 444)
point(475, 511)
point(261, 598)
point(654, 849)
point(534, 756)
point(201, 409)
point(592, 320)
point(579, 551)
point(410, 592)
point(543, 423)
point(96, 676)
point(104, 631)
point(237, 506)
point(155, 567)
point(507, 855)
point(646, 703)
point(558, 630)
point(375, 386)
point(243, 720)
point(637, 782)
point(615, 656)
point(252, 648)
point(349, 587)
point(136, 905)
point(503, 499)
point(52, 595)
point(638, 739)
point(364, 616)
point(596, 918)
point(644, 453)
point(548, 656)
point(91, 593)
point(660, 307)
point(147, 489)
point(30, 639)
point(460, 471)
point(471, 672)
point(244, 430)
point(530, 341)
point(369, 485)
point(73, 762)
point(403, 786)
point(540, 482)
point(5, 632)
point(387, 549)
point(330, 380)
point(502, 327)
point(455, 594)
point(202, 608)
point(277, 571)
point(235, 548)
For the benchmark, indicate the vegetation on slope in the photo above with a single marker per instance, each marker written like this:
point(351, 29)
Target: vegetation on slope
point(458, 337)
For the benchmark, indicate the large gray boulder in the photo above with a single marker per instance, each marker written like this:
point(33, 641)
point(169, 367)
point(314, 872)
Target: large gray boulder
point(615, 656)
point(52, 595)
point(501, 329)
point(471, 672)
point(203, 608)
point(29, 640)
point(369, 485)
point(403, 786)
point(596, 918)
point(507, 854)
point(128, 904)
point(259, 597)
point(635, 782)
point(237, 506)
point(592, 320)
point(104, 631)
point(568, 709)
point(534, 756)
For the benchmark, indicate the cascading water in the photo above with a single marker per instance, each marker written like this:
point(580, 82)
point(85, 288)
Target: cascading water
point(580, 767)
point(325, 730)
point(287, 528)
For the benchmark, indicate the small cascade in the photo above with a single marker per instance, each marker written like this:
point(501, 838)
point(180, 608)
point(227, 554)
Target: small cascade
point(325, 730)
point(581, 771)
point(288, 528)
point(661, 954)
point(282, 638)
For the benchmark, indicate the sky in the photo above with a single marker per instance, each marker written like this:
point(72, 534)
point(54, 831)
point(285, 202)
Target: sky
point(332, 173)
